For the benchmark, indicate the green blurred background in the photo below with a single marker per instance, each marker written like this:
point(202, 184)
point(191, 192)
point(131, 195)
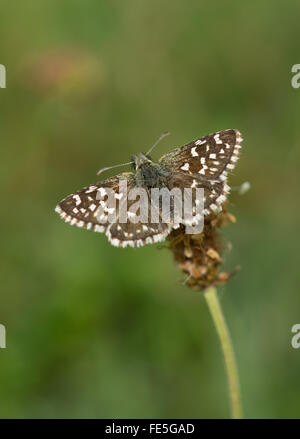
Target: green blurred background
point(96, 331)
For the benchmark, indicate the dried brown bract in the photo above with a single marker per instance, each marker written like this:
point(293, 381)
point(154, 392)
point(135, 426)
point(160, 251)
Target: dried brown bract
point(200, 256)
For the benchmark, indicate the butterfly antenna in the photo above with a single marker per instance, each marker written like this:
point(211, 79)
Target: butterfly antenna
point(111, 167)
point(166, 133)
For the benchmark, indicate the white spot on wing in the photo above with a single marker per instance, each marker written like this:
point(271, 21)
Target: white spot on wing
point(194, 152)
point(91, 189)
point(217, 138)
point(98, 228)
point(102, 191)
point(185, 167)
point(77, 199)
point(221, 199)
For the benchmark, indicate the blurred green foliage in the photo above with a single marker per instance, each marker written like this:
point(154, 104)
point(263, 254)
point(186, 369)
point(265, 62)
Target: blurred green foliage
point(95, 331)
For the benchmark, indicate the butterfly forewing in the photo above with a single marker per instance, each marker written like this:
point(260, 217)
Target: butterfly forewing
point(211, 156)
point(205, 163)
point(81, 208)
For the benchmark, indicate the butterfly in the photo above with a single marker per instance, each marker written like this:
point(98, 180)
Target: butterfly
point(203, 163)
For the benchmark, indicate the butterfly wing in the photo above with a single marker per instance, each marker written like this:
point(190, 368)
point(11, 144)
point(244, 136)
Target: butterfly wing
point(98, 207)
point(205, 163)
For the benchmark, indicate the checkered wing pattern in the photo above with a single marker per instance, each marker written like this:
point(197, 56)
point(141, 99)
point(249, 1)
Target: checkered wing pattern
point(205, 163)
point(88, 207)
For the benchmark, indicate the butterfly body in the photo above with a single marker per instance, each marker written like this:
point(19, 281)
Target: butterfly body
point(202, 163)
point(149, 174)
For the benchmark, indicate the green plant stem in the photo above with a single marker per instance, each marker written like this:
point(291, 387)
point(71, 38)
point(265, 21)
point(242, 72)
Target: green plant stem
point(215, 309)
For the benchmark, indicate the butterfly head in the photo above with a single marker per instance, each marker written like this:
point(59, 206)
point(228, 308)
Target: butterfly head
point(148, 173)
point(139, 160)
